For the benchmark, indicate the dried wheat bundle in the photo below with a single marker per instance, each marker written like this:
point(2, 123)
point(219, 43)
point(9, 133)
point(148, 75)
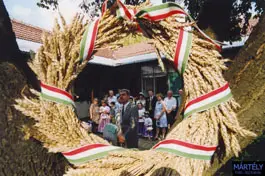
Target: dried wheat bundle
point(57, 64)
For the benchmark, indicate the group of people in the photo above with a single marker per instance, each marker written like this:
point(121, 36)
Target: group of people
point(161, 110)
point(123, 118)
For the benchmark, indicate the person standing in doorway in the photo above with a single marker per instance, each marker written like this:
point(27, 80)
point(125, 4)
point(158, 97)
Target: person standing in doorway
point(82, 106)
point(179, 99)
point(180, 107)
point(129, 120)
point(150, 107)
point(111, 97)
point(94, 115)
point(160, 116)
point(171, 104)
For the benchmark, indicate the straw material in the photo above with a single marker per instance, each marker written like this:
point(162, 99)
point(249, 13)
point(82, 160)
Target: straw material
point(56, 64)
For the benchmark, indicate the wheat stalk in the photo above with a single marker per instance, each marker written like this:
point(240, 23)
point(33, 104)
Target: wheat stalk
point(57, 64)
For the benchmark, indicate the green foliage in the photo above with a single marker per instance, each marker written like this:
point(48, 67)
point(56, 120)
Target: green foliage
point(227, 19)
point(48, 4)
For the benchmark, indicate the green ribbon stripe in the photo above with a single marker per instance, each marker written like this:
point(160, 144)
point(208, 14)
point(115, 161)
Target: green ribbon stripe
point(183, 154)
point(83, 44)
point(187, 53)
point(92, 157)
point(158, 7)
point(47, 97)
point(208, 106)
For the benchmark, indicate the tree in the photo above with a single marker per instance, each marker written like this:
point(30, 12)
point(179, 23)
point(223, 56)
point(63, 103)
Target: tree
point(92, 8)
point(247, 81)
point(9, 48)
point(19, 156)
point(227, 20)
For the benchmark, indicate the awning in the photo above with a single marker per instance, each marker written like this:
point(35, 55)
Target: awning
point(123, 61)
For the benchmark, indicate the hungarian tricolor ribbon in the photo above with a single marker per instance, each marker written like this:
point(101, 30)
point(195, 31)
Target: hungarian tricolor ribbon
point(104, 7)
point(120, 13)
point(185, 149)
point(124, 11)
point(182, 51)
point(57, 95)
point(217, 44)
point(209, 100)
point(160, 12)
point(88, 41)
point(89, 152)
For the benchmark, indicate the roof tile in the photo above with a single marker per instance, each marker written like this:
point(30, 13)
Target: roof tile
point(27, 32)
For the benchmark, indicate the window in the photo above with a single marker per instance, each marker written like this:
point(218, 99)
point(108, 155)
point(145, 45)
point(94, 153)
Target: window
point(153, 78)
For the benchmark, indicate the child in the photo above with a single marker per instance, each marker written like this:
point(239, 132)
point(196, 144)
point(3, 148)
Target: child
point(141, 111)
point(104, 116)
point(148, 124)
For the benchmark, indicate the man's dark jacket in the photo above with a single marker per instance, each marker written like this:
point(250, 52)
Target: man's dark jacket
point(129, 125)
point(153, 105)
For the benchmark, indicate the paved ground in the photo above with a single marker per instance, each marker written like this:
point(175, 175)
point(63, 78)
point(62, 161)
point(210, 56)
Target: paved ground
point(145, 144)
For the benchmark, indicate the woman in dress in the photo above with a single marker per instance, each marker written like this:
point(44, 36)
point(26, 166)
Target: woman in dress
point(104, 111)
point(160, 116)
point(94, 115)
point(141, 111)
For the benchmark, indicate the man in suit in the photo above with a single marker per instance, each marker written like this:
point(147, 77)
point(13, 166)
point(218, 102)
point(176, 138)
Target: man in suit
point(150, 106)
point(129, 120)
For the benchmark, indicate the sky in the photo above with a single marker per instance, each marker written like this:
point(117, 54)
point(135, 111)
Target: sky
point(28, 12)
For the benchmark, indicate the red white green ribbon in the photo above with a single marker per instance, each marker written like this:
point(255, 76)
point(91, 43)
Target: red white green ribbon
point(154, 13)
point(104, 7)
point(124, 12)
point(120, 13)
point(160, 12)
point(88, 41)
point(208, 100)
point(182, 52)
point(89, 152)
point(217, 44)
point(185, 149)
point(57, 95)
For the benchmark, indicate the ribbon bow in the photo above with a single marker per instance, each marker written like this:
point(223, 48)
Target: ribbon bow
point(154, 13)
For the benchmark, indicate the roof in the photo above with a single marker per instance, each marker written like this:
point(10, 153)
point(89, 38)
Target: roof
point(27, 32)
point(126, 51)
point(29, 38)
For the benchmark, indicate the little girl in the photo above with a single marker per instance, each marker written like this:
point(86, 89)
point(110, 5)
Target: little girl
point(141, 111)
point(104, 116)
point(148, 124)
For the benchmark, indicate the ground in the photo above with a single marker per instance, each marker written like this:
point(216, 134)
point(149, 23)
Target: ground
point(145, 144)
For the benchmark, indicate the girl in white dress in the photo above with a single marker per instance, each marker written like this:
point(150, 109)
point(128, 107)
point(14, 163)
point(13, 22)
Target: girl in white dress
point(141, 111)
point(104, 116)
